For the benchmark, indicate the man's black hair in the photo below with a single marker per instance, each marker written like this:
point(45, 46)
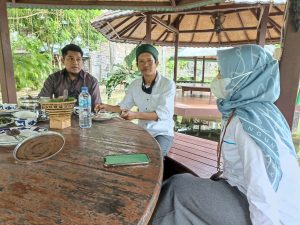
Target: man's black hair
point(71, 47)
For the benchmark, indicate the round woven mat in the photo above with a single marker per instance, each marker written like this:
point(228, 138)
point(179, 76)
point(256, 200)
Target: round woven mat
point(40, 147)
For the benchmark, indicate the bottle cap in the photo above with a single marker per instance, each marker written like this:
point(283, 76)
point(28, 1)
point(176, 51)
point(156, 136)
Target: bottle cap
point(84, 88)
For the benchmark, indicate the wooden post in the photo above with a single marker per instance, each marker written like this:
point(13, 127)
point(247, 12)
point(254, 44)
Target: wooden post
point(262, 29)
point(289, 69)
point(7, 80)
point(195, 68)
point(148, 28)
point(203, 69)
point(176, 56)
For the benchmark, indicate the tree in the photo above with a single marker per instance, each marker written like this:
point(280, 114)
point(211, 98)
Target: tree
point(122, 74)
point(41, 33)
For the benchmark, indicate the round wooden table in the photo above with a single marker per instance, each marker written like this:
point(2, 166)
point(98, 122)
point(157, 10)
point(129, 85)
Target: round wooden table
point(75, 188)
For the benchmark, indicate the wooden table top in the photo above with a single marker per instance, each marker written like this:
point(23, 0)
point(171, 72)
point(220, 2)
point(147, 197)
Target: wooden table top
point(75, 188)
point(196, 107)
point(196, 87)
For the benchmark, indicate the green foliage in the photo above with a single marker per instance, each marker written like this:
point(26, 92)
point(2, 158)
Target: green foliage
point(129, 59)
point(185, 78)
point(122, 74)
point(41, 33)
point(32, 67)
point(170, 65)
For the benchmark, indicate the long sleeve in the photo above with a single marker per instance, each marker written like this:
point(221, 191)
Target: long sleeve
point(165, 106)
point(48, 88)
point(95, 94)
point(263, 203)
point(128, 100)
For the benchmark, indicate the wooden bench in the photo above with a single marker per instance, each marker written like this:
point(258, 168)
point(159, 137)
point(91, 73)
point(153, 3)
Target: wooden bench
point(191, 154)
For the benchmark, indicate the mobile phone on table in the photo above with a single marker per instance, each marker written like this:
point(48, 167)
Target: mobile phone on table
point(126, 159)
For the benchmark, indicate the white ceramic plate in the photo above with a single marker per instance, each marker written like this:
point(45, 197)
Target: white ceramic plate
point(102, 116)
point(6, 140)
point(25, 115)
point(7, 111)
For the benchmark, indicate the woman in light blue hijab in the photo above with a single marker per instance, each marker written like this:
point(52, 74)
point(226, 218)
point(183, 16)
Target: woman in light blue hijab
point(261, 179)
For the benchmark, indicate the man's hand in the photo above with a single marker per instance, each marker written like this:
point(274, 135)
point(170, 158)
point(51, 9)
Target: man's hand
point(107, 108)
point(128, 115)
point(100, 107)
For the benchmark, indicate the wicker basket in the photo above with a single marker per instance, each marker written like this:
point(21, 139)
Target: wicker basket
point(59, 113)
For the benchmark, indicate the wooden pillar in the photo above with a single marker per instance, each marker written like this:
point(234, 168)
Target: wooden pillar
point(195, 68)
point(148, 28)
point(203, 69)
point(7, 80)
point(289, 69)
point(262, 30)
point(176, 56)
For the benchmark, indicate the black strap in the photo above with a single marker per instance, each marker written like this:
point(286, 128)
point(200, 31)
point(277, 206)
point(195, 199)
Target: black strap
point(217, 176)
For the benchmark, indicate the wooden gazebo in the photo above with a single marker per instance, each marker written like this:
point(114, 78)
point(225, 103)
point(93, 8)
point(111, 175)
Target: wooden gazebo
point(223, 24)
point(214, 25)
point(289, 63)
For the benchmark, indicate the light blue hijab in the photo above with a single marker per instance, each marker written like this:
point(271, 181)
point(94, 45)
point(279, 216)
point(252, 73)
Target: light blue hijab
point(253, 89)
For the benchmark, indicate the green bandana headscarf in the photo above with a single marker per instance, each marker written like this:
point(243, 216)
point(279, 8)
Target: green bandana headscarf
point(147, 48)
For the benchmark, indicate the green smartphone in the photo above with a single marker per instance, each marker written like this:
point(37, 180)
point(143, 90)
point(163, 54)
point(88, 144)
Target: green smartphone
point(126, 159)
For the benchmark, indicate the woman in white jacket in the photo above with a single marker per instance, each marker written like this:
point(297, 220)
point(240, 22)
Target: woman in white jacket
point(261, 180)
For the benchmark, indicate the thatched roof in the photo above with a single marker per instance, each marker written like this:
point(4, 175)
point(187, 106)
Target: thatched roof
point(195, 27)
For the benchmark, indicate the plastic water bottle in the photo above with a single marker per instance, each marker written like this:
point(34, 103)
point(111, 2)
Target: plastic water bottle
point(85, 116)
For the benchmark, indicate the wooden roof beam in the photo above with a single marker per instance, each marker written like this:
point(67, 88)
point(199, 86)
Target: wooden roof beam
point(242, 23)
point(164, 24)
point(166, 37)
point(179, 18)
point(163, 33)
point(133, 29)
point(225, 29)
point(211, 37)
point(118, 25)
point(227, 37)
point(261, 11)
point(269, 34)
point(277, 27)
point(111, 27)
point(197, 44)
point(278, 9)
point(130, 26)
point(219, 38)
point(197, 21)
point(152, 28)
point(148, 28)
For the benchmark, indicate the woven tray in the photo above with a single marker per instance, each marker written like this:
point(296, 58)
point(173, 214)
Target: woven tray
point(39, 147)
point(59, 108)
